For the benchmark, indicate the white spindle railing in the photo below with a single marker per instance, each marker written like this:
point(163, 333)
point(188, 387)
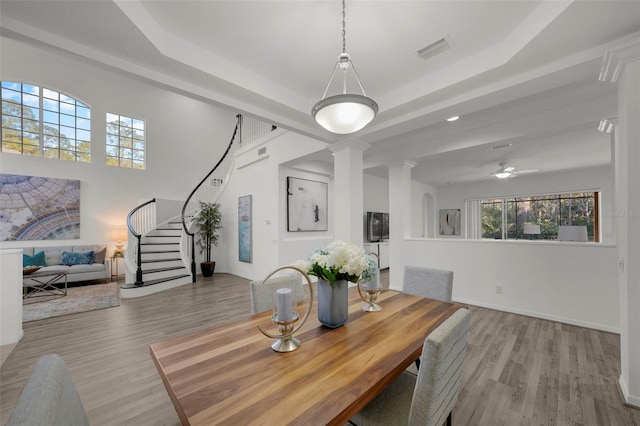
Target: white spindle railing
point(143, 219)
point(248, 131)
point(140, 221)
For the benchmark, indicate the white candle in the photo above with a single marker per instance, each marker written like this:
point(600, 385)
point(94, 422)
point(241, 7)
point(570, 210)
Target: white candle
point(285, 311)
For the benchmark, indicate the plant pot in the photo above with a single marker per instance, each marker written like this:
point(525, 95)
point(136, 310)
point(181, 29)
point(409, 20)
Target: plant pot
point(207, 268)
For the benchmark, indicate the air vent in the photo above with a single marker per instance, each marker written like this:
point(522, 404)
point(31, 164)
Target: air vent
point(493, 148)
point(435, 48)
point(262, 150)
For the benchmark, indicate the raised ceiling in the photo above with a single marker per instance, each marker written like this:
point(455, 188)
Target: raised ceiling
point(519, 73)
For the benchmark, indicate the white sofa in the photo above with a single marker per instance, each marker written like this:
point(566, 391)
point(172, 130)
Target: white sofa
point(99, 270)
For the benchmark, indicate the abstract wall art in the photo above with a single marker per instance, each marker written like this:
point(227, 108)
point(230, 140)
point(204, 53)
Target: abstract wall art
point(39, 208)
point(244, 229)
point(450, 222)
point(306, 205)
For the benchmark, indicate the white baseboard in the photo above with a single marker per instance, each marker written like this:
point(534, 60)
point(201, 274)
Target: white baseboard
point(631, 400)
point(564, 320)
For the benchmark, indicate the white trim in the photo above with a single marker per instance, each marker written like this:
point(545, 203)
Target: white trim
point(631, 400)
point(539, 315)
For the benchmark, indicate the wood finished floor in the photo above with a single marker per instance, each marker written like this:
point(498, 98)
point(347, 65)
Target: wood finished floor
point(518, 370)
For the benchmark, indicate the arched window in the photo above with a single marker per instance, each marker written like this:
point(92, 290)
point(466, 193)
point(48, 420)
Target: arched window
point(45, 123)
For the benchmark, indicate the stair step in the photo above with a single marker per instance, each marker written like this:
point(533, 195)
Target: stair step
point(158, 244)
point(170, 268)
point(152, 282)
point(169, 259)
point(159, 251)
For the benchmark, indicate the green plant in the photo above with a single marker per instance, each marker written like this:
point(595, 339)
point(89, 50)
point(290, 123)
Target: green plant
point(208, 223)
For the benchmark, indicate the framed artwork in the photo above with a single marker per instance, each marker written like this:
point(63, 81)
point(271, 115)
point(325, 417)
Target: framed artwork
point(245, 246)
point(306, 205)
point(39, 208)
point(450, 222)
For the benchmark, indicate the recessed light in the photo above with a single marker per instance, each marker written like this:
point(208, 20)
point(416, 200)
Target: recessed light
point(454, 118)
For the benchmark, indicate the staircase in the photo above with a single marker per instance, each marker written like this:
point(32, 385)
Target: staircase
point(163, 255)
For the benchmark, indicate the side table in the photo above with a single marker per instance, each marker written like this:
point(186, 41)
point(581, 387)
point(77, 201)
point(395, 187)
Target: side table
point(114, 260)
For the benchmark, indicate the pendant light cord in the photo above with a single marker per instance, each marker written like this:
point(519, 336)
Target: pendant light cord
point(344, 25)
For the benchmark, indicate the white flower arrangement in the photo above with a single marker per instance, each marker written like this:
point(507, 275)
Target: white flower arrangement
point(338, 261)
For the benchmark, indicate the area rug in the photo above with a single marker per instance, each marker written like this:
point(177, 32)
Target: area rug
point(78, 299)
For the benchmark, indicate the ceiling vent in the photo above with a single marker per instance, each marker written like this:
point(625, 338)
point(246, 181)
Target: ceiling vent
point(436, 48)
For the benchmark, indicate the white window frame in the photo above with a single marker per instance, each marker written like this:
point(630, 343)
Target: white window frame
point(125, 141)
point(64, 123)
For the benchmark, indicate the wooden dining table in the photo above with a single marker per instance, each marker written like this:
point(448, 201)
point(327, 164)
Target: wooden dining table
point(228, 373)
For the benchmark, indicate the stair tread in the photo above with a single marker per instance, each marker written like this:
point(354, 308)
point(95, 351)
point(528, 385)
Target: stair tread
point(157, 244)
point(159, 251)
point(168, 268)
point(152, 282)
point(161, 260)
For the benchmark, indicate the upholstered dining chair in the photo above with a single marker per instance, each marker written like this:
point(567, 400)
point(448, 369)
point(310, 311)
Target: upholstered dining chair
point(262, 294)
point(429, 397)
point(428, 282)
point(49, 397)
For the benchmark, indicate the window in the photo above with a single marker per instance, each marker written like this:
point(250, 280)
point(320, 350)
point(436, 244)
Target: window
point(45, 123)
point(125, 141)
point(505, 218)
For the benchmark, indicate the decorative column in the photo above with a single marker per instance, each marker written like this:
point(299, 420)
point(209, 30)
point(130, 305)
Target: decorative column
point(622, 66)
point(348, 189)
point(399, 217)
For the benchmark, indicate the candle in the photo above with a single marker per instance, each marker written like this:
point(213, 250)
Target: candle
point(283, 300)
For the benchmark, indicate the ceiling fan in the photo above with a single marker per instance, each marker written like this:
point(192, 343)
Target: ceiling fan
point(505, 172)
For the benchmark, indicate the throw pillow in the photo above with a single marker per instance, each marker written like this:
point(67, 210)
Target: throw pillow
point(70, 259)
point(37, 259)
point(99, 256)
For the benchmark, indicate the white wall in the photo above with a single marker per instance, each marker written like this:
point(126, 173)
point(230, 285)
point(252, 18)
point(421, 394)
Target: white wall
point(423, 219)
point(185, 137)
point(568, 282)
point(10, 296)
point(593, 178)
point(264, 177)
point(375, 198)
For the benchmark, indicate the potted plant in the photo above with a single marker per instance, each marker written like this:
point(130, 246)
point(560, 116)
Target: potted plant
point(208, 223)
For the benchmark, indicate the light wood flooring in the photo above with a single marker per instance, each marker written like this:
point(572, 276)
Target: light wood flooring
point(518, 370)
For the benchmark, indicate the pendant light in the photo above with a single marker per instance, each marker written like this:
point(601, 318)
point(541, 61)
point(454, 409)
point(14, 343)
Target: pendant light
point(347, 112)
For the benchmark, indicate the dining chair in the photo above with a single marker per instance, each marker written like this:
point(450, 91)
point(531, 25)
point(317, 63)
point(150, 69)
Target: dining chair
point(428, 397)
point(428, 282)
point(262, 293)
point(49, 397)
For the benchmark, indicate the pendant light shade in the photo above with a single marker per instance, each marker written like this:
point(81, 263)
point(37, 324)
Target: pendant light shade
point(344, 114)
point(347, 112)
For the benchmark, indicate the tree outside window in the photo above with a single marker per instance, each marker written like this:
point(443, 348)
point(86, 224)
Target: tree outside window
point(125, 141)
point(505, 218)
point(45, 123)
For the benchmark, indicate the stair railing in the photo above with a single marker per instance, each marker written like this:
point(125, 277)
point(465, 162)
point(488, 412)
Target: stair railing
point(208, 193)
point(140, 221)
point(247, 131)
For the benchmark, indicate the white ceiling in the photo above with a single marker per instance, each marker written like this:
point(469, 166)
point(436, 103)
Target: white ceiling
point(520, 73)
